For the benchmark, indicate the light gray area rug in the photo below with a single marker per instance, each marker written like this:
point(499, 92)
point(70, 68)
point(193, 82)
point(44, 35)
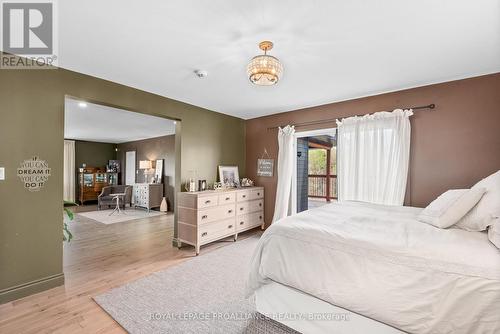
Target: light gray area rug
point(103, 216)
point(201, 295)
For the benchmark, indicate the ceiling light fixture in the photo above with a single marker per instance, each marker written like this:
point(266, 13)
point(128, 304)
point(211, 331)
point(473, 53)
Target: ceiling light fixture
point(82, 104)
point(265, 70)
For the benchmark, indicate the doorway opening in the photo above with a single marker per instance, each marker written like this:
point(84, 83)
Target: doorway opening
point(122, 169)
point(315, 170)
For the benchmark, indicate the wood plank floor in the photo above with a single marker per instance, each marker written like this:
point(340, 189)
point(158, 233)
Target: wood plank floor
point(99, 258)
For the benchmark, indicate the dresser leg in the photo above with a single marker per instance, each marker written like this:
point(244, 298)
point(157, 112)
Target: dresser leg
point(236, 237)
point(197, 250)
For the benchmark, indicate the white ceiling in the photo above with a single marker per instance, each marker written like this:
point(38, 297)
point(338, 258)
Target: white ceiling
point(332, 50)
point(110, 125)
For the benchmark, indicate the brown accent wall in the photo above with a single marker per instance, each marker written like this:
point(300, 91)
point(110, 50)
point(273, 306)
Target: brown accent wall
point(153, 149)
point(452, 146)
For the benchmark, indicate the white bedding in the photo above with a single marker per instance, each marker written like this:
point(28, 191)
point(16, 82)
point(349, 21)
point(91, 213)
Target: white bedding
point(380, 262)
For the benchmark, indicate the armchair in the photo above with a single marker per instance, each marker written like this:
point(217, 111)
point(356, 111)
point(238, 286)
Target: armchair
point(105, 197)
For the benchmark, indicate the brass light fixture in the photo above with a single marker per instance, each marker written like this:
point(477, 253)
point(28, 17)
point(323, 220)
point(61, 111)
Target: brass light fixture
point(265, 70)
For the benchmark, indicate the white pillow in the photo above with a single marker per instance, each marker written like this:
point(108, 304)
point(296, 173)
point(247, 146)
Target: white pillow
point(494, 233)
point(483, 214)
point(450, 206)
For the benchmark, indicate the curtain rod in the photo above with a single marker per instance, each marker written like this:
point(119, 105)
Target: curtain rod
point(329, 120)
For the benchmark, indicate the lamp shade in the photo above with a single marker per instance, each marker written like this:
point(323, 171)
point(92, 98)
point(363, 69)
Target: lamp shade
point(145, 164)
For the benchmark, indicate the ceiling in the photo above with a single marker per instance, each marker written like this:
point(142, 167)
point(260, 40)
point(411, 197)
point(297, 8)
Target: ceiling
point(331, 50)
point(104, 124)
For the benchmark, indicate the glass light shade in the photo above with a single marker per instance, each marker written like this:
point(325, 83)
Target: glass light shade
point(264, 70)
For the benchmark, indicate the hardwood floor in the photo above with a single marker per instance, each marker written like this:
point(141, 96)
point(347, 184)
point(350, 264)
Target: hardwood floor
point(99, 258)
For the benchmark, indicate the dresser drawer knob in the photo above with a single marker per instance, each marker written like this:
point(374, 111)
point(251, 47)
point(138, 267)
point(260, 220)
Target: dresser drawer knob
point(244, 196)
point(241, 223)
point(230, 226)
point(204, 234)
point(241, 209)
point(258, 194)
point(260, 204)
point(204, 217)
point(207, 201)
point(260, 217)
point(228, 198)
point(229, 211)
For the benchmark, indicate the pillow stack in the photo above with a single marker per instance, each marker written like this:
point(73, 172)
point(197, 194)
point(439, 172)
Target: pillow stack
point(475, 209)
point(450, 207)
point(485, 213)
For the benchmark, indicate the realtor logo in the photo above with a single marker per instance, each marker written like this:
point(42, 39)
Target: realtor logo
point(28, 31)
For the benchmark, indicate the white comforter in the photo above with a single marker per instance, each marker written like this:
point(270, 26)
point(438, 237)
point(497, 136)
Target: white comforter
point(380, 262)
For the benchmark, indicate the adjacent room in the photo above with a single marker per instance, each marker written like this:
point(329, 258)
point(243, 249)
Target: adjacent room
point(250, 167)
point(119, 177)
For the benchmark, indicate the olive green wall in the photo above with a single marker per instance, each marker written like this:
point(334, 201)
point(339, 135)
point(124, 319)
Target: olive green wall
point(93, 154)
point(31, 123)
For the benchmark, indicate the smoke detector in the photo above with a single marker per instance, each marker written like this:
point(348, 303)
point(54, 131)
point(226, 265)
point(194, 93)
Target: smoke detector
point(201, 74)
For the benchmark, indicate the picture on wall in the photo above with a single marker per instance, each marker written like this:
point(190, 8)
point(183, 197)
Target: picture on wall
point(229, 176)
point(265, 167)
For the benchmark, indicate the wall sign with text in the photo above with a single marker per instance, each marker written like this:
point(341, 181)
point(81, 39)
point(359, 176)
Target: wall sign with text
point(265, 167)
point(33, 173)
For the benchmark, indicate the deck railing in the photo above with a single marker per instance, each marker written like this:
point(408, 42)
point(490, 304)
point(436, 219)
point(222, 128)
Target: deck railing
point(317, 186)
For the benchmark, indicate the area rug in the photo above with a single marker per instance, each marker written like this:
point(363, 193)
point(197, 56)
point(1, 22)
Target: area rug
point(201, 295)
point(102, 216)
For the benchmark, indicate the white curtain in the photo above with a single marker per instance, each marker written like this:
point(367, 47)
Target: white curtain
point(373, 153)
point(69, 171)
point(285, 172)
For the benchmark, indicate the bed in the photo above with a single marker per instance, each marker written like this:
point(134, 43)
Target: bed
point(380, 268)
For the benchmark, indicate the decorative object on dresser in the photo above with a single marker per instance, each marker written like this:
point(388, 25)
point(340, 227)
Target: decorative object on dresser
point(212, 215)
point(229, 176)
point(158, 178)
point(202, 185)
point(246, 182)
point(91, 180)
point(190, 184)
point(148, 195)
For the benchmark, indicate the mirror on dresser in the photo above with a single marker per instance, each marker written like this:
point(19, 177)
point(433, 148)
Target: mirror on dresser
point(158, 177)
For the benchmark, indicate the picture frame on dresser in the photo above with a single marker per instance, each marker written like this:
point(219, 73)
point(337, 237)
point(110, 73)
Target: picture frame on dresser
point(229, 176)
point(208, 216)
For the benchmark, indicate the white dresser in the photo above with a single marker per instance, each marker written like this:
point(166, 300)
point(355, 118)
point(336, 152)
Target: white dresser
point(147, 195)
point(207, 216)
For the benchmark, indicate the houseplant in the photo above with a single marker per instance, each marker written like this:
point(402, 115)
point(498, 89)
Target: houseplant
point(67, 235)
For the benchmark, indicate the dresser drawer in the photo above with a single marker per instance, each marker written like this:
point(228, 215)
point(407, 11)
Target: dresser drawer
point(256, 205)
point(242, 223)
point(227, 198)
point(256, 194)
point(243, 195)
point(249, 221)
point(242, 208)
point(227, 211)
point(207, 201)
point(256, 218)
point(216, 230)
point(216, 213)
